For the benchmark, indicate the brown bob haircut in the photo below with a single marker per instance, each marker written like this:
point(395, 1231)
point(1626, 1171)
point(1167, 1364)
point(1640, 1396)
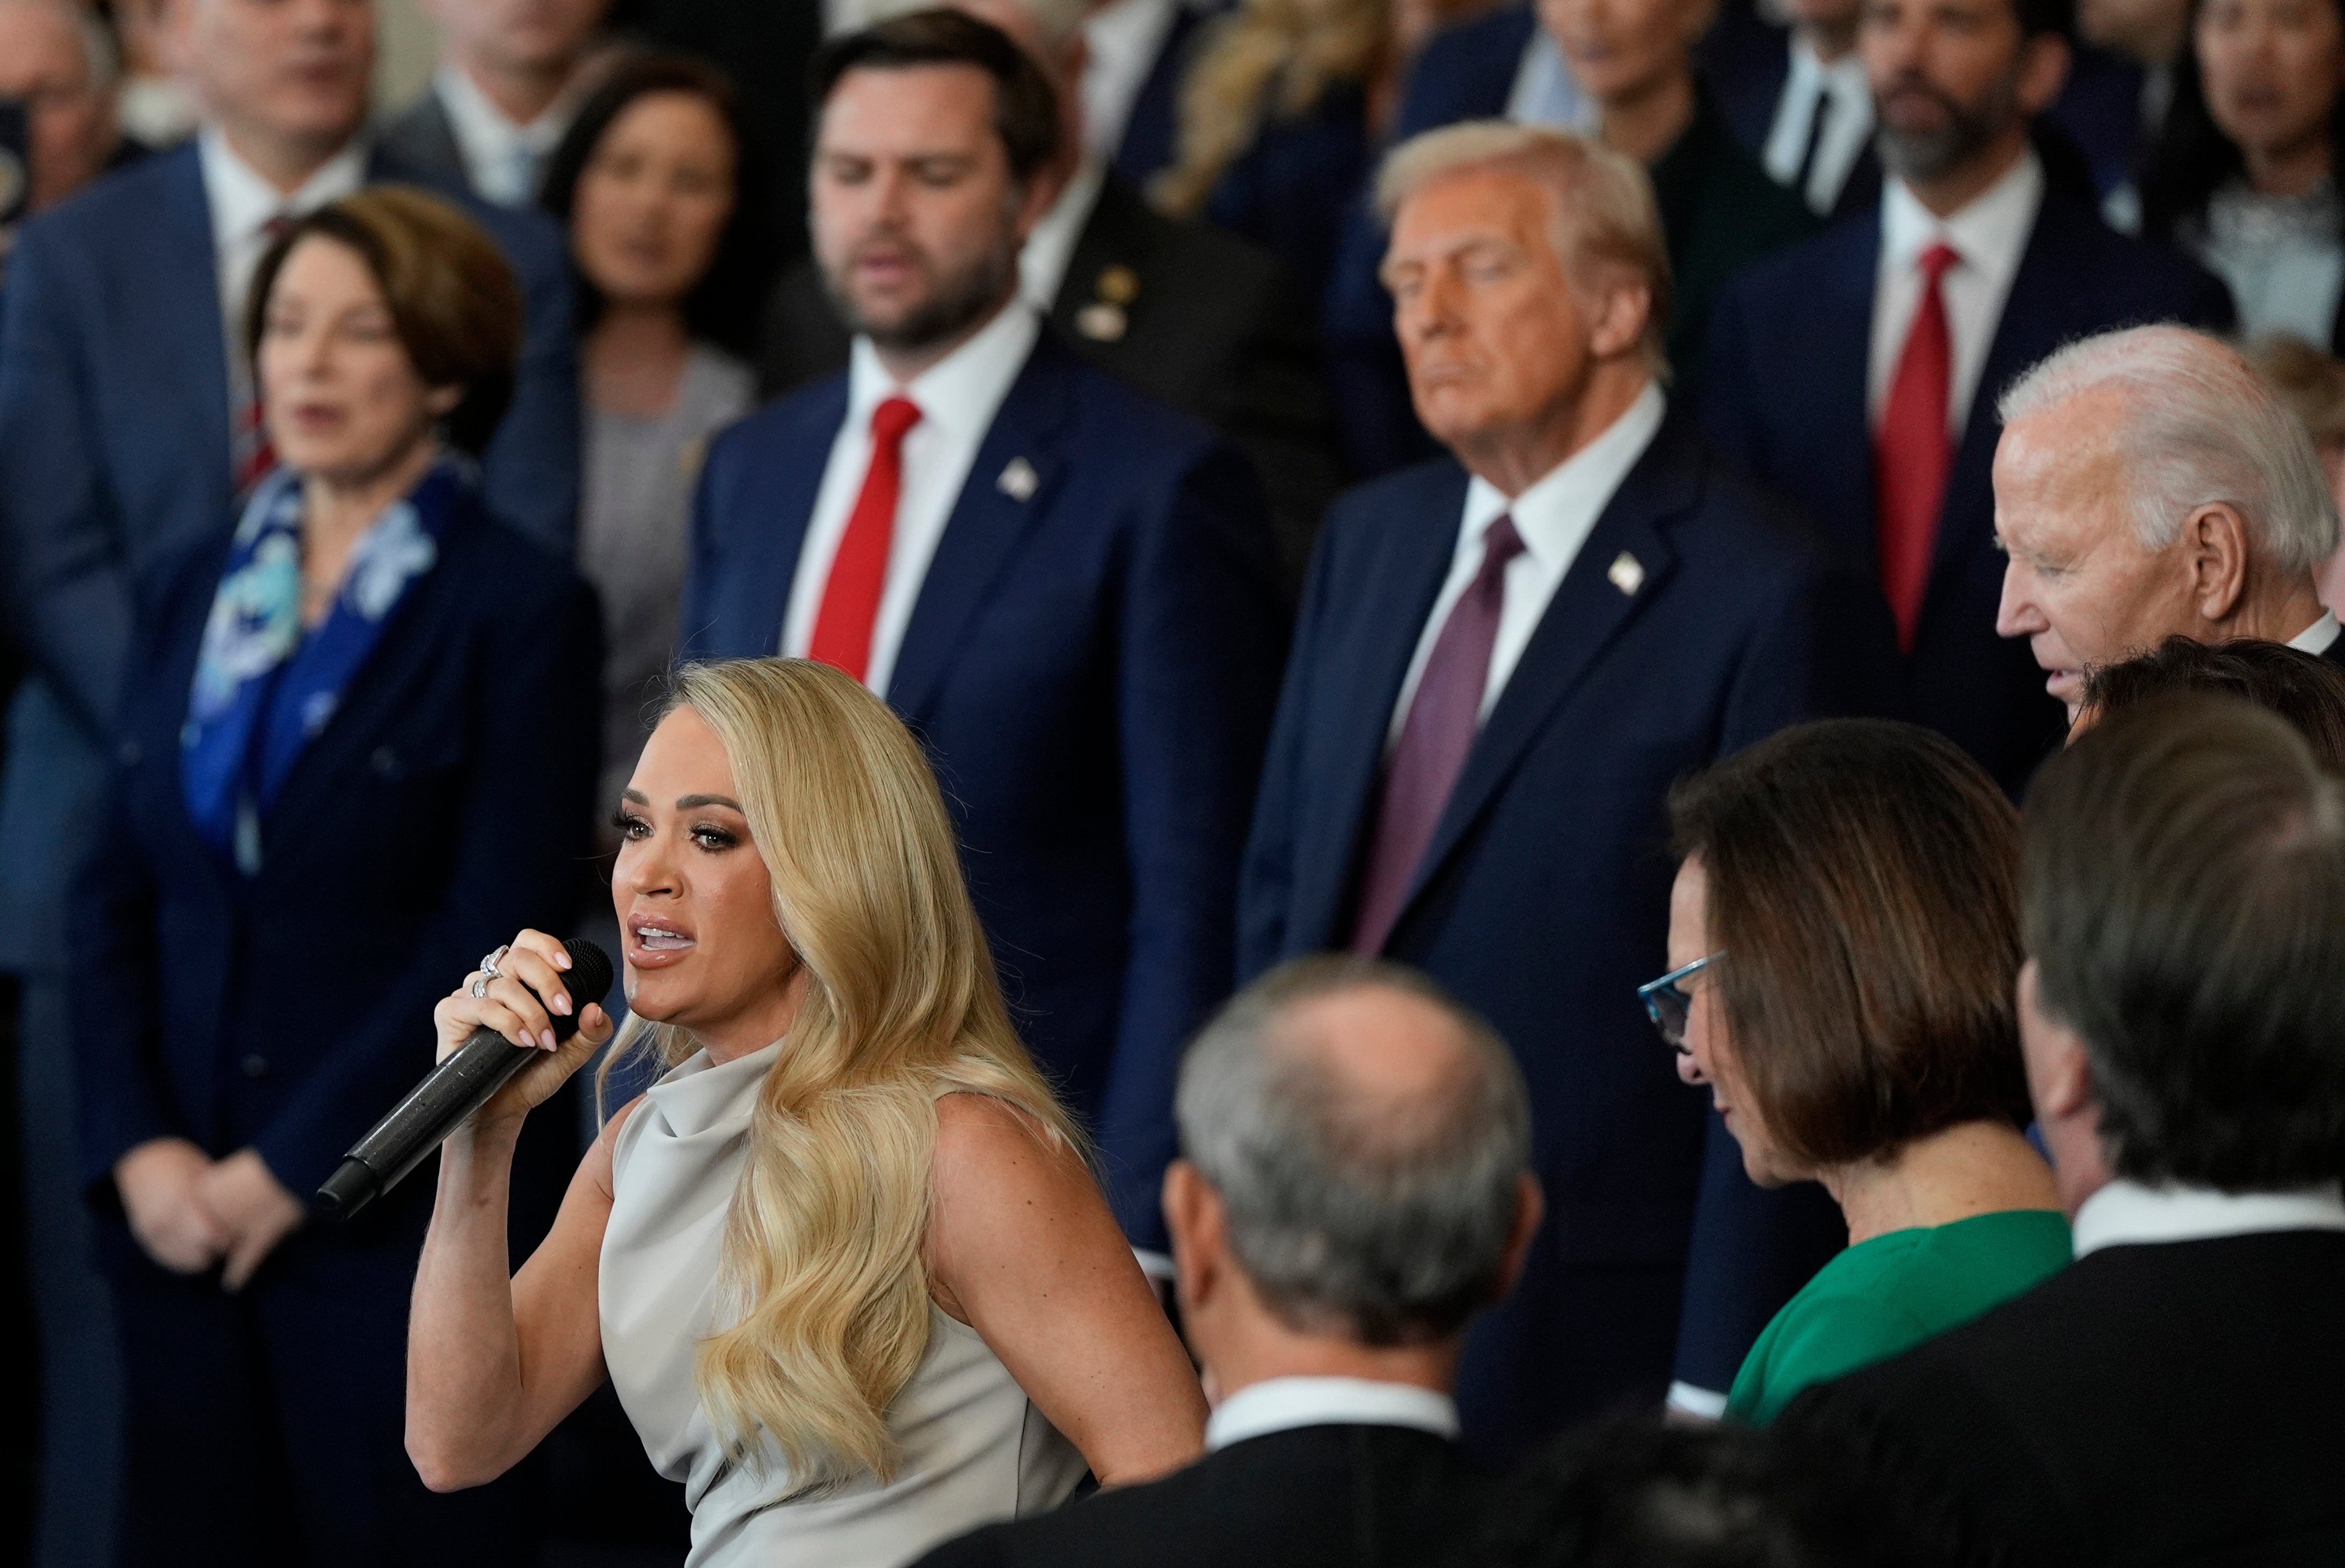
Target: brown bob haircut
point(453, 300)
point(1864, 886)
point(2305, 689)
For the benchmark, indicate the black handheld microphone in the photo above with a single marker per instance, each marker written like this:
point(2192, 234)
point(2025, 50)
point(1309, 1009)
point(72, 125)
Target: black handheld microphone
point(452, 1091)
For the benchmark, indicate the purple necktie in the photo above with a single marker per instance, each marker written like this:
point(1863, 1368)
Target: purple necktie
point(1434, 739)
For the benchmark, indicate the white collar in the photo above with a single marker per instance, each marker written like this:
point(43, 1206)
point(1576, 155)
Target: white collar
point(1282, 1405)
point(967, 384)
point(1556, 513)
point(242, 200)
point(2318, 637)
point(476, 118)
point(2126, 1213)
point(1989, 234)
point(1810, 72)
point(1042, 263)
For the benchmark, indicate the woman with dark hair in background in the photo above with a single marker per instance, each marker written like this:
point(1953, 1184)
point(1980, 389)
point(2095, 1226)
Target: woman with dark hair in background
point(666, 261)
point(357, 747)
point(1844, 945)
point(2243, 174)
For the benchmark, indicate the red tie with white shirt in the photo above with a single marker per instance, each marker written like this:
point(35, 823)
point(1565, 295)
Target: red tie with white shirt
point(858, 571)
point(1914, 453)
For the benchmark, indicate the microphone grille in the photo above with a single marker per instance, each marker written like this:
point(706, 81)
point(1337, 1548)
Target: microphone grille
point(590, 973)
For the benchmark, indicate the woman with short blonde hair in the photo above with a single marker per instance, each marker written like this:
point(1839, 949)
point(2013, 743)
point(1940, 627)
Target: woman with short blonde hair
point(845, 1262)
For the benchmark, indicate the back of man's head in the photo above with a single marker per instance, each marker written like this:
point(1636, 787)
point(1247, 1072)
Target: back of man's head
point(2302, 688)
point(1368, 1139)
point(2185, 906)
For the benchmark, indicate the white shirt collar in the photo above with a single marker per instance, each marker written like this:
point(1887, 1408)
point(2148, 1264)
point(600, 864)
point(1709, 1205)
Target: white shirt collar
point(1124, 38)
point(1990, 234)
point(1557, 511)
point(1043, 264)
point(501, 158)
point(964, 389)
point(2126, 1213)
point(242, 200)
point(1282, 1405)
point(2318, 637)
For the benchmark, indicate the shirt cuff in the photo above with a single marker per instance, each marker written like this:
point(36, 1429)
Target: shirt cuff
point(1158, 1267)
point(1706, 1404)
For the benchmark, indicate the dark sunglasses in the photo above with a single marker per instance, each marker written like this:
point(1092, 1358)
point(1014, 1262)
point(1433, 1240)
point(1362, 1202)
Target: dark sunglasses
point(1667, 1003)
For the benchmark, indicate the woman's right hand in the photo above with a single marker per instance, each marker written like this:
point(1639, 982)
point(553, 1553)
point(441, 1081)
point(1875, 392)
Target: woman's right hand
point(530, 989)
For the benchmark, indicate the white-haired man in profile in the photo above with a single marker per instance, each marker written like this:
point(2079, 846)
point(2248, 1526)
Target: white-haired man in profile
point(2149, 484)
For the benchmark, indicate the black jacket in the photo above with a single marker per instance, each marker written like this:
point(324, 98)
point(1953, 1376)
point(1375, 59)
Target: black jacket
point(2171, 1404)
point(1342, 1496)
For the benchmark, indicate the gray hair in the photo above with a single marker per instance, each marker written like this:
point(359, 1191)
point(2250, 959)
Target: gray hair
point(1055, 20)
point(2198, 427)
point(96, 44)
point(1605, 212)
point(1348, 1211)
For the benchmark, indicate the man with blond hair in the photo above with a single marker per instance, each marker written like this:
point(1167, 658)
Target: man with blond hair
point(1504, 659)
point(2148, 485)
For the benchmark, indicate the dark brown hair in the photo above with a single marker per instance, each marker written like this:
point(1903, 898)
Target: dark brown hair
point(1864, 885)
point(2305, 689)
point(453, 300)
point(2186, 911)
point(1025, 109)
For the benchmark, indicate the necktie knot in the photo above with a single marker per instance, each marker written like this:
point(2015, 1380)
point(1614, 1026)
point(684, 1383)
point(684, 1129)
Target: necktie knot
point(892, 418)
point(1500, 545)
point(1932, 264)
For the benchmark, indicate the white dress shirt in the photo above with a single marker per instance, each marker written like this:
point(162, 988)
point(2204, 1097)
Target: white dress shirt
point(1282, 1405)
point(2316, 637)
point(1544, 92)
point(501, 159)
point(1848, 124)
point(1554, 516)
point(1123, 38)
point(1042, 263)
point(1989, 236)
point(243, 203)
point(957, 397)
point(2126, 1213)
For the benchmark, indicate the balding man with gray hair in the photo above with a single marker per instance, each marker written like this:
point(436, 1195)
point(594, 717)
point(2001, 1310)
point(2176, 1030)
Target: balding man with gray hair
point(1355, 1185)
point(1504, 659)
point(55, 56)
point(2148, 485)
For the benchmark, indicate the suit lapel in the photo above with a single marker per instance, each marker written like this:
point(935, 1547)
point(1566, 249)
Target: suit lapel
point(1841, 327)
point(1420, 544)
point(764, 562)
point(195, 338)
point(1587, 611)
point(1010, 488)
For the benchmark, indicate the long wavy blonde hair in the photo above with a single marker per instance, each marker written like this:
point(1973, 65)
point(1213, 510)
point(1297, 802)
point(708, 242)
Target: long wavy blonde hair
point(822, 1255)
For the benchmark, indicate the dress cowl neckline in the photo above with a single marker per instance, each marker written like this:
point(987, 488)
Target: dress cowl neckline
point(698, 1096)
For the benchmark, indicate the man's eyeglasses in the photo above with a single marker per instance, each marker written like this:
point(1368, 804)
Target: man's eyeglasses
point(1667, 1003)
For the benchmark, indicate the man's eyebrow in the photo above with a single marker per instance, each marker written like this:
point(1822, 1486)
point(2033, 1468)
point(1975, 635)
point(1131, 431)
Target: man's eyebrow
point(687, 802)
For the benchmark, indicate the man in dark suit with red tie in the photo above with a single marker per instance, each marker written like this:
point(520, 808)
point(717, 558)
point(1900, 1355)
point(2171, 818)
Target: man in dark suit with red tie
point(1504, 659)
point(1857, 373)
point(1066, 589)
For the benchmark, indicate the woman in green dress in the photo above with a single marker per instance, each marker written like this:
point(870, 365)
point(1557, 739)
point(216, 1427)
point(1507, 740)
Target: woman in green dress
point(1843, 943)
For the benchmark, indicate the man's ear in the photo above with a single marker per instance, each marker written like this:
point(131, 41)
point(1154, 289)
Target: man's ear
point(2044, 62)
point(1198, 1222)
point(2214, 538)
point(2059, 1069)
point(1530, 1209)
point(1622, 308)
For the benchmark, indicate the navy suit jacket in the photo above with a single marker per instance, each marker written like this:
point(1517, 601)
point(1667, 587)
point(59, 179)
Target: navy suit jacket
point(1746, 61)
point(1091, 669)
point(1543, 900)
point(446, 805)
point(1802, 320)
point(115, 452)
point(1151, 135)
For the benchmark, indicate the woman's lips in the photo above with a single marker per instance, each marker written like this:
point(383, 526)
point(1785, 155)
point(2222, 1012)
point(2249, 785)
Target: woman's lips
point(651, 945)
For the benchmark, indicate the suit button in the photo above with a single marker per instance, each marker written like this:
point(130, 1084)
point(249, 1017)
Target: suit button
point(255, 1067)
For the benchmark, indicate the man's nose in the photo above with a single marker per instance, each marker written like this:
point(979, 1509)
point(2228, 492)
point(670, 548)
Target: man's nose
point(2016, 614)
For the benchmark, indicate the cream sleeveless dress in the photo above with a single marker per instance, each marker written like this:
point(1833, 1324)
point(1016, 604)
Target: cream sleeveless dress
point(975, 1449)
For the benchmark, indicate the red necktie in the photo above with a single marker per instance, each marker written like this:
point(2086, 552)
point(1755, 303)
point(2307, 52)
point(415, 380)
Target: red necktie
point(1914, 453)
point(1443, 718)
point(254, 457)
point(859, 572)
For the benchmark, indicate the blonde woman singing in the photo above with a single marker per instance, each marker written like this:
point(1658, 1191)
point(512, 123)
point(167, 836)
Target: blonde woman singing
point(845, 1263)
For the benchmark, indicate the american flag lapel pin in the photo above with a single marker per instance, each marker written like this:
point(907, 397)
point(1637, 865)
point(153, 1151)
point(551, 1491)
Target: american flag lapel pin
point(1018, 480)
point(1626, 574)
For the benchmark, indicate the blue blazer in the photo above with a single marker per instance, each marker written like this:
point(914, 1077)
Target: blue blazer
point(115, 452)
point(1543, 900)
point(1152, 135)
point(1802, 320)
point(445, 806)
point(1091, 669)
